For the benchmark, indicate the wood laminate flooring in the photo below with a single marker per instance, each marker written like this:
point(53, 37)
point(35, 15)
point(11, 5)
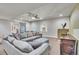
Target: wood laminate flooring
point(54, 48)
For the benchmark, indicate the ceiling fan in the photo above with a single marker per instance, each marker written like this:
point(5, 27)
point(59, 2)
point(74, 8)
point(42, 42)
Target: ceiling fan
point(33, 15)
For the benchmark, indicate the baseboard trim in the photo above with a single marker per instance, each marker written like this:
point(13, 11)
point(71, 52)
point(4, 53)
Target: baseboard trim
point(49, 36)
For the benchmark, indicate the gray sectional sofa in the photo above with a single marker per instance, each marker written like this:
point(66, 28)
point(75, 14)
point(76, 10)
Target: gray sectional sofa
point(11, 50)
point(29, 34)
point(19, 47)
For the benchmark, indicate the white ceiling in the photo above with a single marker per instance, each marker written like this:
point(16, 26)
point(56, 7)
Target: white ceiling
point(12, 10)
point(44, 10)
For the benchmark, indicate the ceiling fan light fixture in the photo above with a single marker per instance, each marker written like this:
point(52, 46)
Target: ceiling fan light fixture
point(33, 18)
point(60, 14)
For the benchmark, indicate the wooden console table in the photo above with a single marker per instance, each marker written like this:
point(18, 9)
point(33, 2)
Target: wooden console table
point(68, 46)
point(62, 32)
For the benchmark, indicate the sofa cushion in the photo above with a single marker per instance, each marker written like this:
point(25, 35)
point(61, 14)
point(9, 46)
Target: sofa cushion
point(16, 35)
point(43, 49)
point(30, 34)
point(23, 35)
point(23, 46)
point(5, 38)
point(30, 38)
point(10, 39)
point(36, 43)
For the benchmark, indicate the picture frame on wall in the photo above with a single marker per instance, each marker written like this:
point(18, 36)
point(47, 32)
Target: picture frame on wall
point(22, 27)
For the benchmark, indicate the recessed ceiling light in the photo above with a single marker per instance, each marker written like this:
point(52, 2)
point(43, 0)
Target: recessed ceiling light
point(41, 18)
point(60, 14)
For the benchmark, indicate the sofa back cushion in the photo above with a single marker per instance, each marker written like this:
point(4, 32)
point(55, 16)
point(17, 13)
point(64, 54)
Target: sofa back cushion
point(23, 35)
point(30, 34)
point(36, 43)
point(23, 46)
point(16, 35)
point(10, 39)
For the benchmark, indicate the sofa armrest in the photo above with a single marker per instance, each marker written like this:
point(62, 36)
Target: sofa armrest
point(40, 50)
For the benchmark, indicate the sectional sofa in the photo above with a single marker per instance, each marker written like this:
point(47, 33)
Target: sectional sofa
point(27, 46)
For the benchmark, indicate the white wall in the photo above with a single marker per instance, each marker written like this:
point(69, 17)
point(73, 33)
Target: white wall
point(4, 27)
point(52, 25)
point(28, 26)
point(75, 18)
point(34, 26)
point(74, 23)
point(76, 33)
